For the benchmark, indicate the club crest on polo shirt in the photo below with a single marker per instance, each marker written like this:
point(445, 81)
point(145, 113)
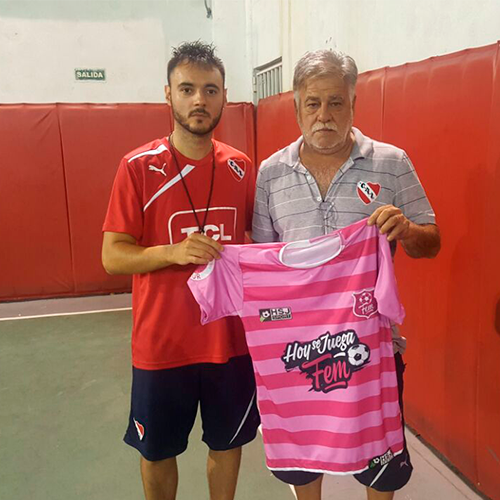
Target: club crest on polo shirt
point(367, 191)
point(237, 168)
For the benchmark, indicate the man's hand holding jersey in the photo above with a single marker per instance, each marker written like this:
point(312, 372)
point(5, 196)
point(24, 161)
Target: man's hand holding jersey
point(418, 240)
point(122, 255)
point(196, 249)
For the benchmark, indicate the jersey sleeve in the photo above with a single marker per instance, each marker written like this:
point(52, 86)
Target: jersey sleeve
point(262, 226)
point(410, 196)
point(386, 289)
point(125, 214)
point(218, 286)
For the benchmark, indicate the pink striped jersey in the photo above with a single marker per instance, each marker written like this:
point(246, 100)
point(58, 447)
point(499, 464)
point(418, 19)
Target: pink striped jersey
point(317, 320)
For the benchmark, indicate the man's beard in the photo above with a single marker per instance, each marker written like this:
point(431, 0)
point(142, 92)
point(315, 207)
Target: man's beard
point(183, 122)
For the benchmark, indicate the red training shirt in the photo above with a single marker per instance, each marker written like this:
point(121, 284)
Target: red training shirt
point(149, 202)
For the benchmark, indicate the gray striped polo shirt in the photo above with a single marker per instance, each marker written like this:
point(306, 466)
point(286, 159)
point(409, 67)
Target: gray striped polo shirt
point(289, 206)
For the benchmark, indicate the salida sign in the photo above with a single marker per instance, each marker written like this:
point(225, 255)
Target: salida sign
point(90, 74)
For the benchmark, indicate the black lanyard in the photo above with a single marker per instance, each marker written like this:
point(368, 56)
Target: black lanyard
point(200, 227)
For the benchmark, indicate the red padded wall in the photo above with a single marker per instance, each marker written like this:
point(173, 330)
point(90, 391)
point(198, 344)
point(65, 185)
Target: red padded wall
point(237, 128)
point(94, 139)
point(438, 110)
point(35, 257)
point(370, 101)
point(488, 400)
point(276, 125)
point(59, 200)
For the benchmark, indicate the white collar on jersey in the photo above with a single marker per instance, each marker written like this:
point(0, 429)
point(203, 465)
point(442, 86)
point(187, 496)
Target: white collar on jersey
point(306, 254)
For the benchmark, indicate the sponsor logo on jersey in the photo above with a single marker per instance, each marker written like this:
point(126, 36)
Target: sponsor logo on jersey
point(328, 361)
point(140, 429)
point(365, 303)
point(367, 191)
point(203, 272)
point(160, 170)
point(382, 460)
point(237, 168)
point(275, 314)
point(221, 224)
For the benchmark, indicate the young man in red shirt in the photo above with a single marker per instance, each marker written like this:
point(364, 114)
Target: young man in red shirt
point(175, 202)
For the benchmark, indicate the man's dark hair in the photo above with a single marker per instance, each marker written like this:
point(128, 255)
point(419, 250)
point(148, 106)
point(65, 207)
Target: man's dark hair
point(197, 52)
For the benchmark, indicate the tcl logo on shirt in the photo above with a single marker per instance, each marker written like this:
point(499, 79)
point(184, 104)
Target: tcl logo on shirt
point(221, 224)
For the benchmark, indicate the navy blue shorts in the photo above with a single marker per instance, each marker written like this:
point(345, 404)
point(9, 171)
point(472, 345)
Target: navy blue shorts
point(165, 403)
point(383, 476)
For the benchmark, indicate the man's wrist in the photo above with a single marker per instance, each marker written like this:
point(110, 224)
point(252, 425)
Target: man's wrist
point(410, 233)
point(421, 241)
point(162, 255)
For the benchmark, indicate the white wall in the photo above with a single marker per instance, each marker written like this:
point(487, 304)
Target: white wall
point(231, 38)
point(38, 59)
point(42, 42)
point(376, 33)
point(265, 31)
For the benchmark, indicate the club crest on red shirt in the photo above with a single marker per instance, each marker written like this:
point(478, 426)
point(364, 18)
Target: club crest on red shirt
point(368, 191)
point(237, 168)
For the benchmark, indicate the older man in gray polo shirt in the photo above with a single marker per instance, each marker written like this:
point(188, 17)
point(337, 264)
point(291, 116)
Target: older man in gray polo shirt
point(331, 177)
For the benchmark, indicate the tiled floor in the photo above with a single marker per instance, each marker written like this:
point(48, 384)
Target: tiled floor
point(64, 395)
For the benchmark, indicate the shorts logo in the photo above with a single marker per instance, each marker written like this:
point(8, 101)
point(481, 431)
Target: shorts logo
point(368, 191)
point(382, 460)
point(203, 272)
point(365, 304)
point(140, 429)
point(277, 314)
point(237, 168)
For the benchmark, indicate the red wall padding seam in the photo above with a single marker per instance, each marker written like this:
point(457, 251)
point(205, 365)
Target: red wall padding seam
point(35, 254)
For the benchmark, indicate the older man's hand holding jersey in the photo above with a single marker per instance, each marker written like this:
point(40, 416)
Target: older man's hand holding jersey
point(418, 240)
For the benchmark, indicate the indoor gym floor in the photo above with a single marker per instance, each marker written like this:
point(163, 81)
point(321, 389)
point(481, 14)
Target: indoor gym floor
point(64, 401)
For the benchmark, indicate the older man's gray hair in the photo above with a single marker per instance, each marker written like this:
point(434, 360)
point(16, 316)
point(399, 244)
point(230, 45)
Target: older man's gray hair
point(324, 63)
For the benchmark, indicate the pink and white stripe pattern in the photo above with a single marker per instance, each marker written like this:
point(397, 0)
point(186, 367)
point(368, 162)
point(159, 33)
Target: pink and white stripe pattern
point(317, 320)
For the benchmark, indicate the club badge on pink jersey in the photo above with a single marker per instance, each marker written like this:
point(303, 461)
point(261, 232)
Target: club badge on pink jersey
point(237, 167)
point(368, 191)
point(365, 304)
